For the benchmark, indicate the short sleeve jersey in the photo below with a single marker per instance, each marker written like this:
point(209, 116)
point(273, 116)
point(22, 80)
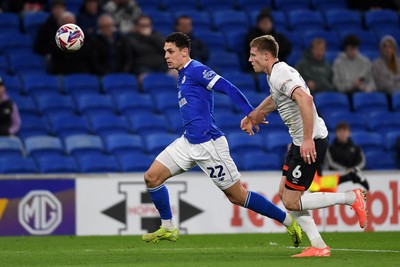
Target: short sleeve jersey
point(283, 81)
point(196, 102)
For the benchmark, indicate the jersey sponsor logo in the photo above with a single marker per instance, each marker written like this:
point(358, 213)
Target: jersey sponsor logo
point(209, 74)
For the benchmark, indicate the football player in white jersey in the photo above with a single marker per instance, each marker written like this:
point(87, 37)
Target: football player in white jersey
point(291, 97)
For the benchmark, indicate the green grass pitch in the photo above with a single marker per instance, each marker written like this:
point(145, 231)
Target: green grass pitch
point(348, 249)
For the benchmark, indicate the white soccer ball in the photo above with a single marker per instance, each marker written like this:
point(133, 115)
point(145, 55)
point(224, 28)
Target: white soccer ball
point(69, 37)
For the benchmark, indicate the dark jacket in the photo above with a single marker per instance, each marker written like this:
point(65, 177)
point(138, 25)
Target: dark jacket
point(45, 36)
point(113, 56)
point(199, 49)
point(342, 156)
point(88, 22)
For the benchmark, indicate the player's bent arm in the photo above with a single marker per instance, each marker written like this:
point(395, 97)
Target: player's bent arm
point(305, 103)
point(267, 105)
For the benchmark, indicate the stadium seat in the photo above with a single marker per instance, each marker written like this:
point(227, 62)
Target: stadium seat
point(104, 124)
point(13, 83)
point(278, 142)
point(121, 143)
point(25, 63)
point(68, 124)
point(120, 83)
point(279, 18)
point(84, 144)
point(200, 19)
point(391, 139)
point(98, 163)
point(331, 55)
point(330, 37)
point(254, 98)
point(148, 123)
point(244, 81)
point(325, 5)
point(162, 21)
point(166, 102)
point(149, 4)
point(224, 61)
point(40, 83)
point(135, 162)
point(370, 54)
point(158, 82)
point(129, 103)
point(43, 145)
point(369, 141)
point(343, 19)
point(356, 120)
point(370, 102)
point(294, 57)
point(49, 103)
point(11, 146)
point(156, 142)
point(228, 123)
point(381, 32)
point(230, 20)
point(32, 125)
point(261, 161)
point(9, 22)
point(240, 142)
point(305, 20)
point(25, 104)
point(175, 122)
point(4, 66)
point(73, 5)
point(222, 102)
point(31, 22)
point(275, 123)
point(250, 5)
point(214, 40)
point(396, 101)
point(17, 165)
point(263, 85)
point(289, 5)
point(383, 122)
point(328, 102)
point(234, 40)
point(57, 164)
point(380, 161)
point(81, 84)
point(180, 5)
point(368, 39)
point(378, 19)
point(91, 103)
point(12, 43)
point(212, 5)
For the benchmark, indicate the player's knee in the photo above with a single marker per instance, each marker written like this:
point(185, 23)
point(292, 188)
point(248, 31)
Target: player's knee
point(236, 200)
point(291, 204)
point(280, 193)
point(150, 179)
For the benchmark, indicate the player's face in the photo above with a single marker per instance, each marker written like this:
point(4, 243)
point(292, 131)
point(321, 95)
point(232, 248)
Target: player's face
point(258, 60)
point(176, 58)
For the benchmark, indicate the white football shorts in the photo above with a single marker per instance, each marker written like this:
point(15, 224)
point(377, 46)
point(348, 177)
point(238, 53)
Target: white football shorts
point(212, 157)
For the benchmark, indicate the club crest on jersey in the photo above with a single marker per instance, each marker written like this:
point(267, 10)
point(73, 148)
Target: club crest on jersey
point(208, 74)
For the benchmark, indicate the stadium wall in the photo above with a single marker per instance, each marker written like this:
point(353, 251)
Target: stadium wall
point(118, 204)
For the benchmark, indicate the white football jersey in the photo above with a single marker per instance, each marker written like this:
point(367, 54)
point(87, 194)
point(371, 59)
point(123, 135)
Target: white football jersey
point(283, 81)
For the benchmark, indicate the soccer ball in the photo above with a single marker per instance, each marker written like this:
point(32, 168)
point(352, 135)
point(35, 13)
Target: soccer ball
point(69, 37)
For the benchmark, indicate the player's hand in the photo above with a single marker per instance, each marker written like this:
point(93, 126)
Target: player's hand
point(307, 151)
point(247, 126)
point(257, 116)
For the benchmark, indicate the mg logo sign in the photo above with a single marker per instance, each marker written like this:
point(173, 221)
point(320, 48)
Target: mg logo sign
point(40, 212)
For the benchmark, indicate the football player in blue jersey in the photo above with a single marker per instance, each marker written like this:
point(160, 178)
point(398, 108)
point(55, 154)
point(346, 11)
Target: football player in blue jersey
point(203, 144)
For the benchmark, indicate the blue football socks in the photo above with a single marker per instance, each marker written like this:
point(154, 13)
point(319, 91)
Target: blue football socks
point(263, 206)
point(160, 198)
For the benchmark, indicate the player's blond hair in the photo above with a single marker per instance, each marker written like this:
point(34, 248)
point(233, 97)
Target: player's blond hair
point(266, 43)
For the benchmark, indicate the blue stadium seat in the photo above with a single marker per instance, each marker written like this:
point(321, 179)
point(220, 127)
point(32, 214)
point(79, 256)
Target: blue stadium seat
point(57, 164)
point(378, 19)
point(222, 102)
point(275, 123)
point(228, 123)
point(244, 81)
point(289, 5)
point(156, 142)
point(175, 122)
point(343, 19)
point(305, 20)
point(370, 102)
point(380, 161)
point(330, 37)
point(158, 82)
point(224, 61)
point(31, 21)
point(166, 102)
point(84, 144)
point(396, 101)
point(368, 39)
point(98, 163)
point(149, 4)
point(13, 83)
point(240, 142)
point(263, 85)
point(381, 32)
point(43, 145)
point(9, 22)
point(17, 165)
point(162, 21)
point(135, 161)
point(325, 5)
point(68, 124)
point(371, 54)
point(11, 146)
point(391, 140)
point(212, 5)
point(328, 102)
point(230, 20)
point(250, 5)
point(25, 104)
point(104, 124)
point(32, 125)
point(294, 57)
point(40, 83)
point(277, 142)
point(4, 66)
point(383, 122)
point(73, 5)
point(49, 103)
point(123, 143)
point(148, 123)
point(12, 43)
point(331, 55)
point(180, 5)
point(129, 103)
point(81, 83)
point(25, 63)
point(120, 83)
point(279, 18)
point(234, 41)
point(369, 141)
point(91, 103)
point(254, 98)
point(200, 19)
point(356, 120)
point(214, 40)
point(261, 161)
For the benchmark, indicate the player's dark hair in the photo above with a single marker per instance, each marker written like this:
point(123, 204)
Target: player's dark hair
point(342, 126)
point(180, 39)
point(266, 43)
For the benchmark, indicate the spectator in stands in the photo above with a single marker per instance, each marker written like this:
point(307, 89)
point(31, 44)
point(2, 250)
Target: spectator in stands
point(366, 5)
point(17, 6)
point(345, 156)
point(89, 13)
point(199, 49)
point(265, 25)
point(124, 12)
point(352, 71)
point(45, 36)
point(10, 121)
point(148, 48)
point(315, 69)
point(61, 62)
point(386, 68)
point(112, 51)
